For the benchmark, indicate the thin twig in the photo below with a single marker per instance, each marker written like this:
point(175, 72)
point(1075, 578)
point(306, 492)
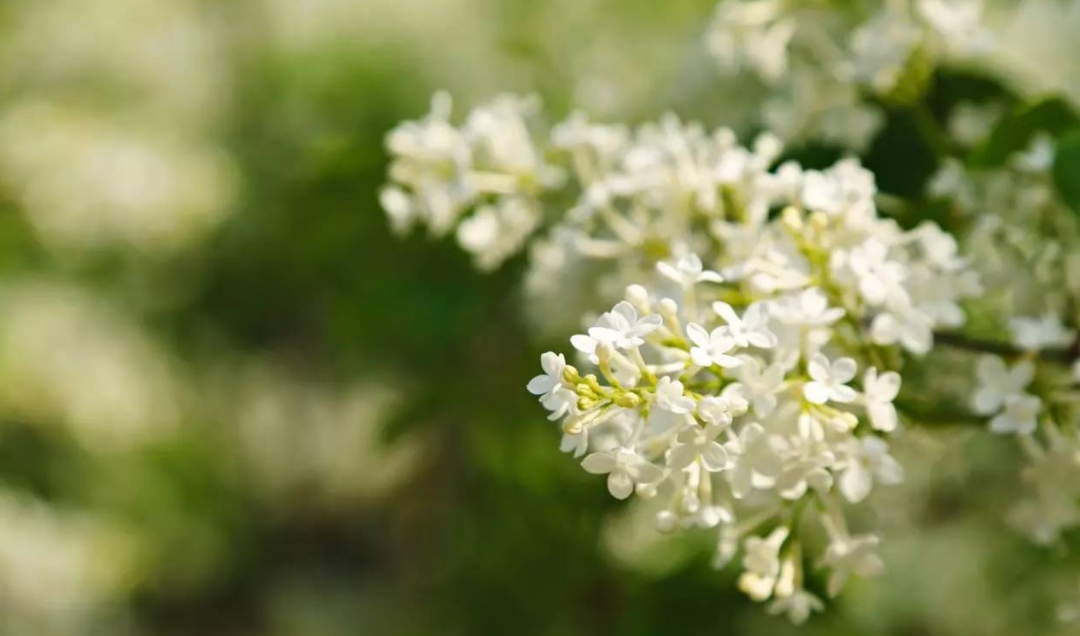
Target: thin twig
point(1004, 349)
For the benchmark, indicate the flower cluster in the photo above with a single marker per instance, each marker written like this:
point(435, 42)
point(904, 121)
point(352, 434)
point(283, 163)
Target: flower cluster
point(746, 379)
point(489, 165)
point(747, 374)
point(740, 422)
point(819, 59)
point(1026, 246)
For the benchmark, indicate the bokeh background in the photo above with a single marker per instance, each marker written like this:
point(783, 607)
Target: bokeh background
point(233, 404)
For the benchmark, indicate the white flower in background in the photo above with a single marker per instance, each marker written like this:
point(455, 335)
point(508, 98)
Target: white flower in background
point(757, 462)
point(698, 442)
point(970, 123)
point(687, 271)
point(789, 596)
point(867, 461)
point(879, 279)
point(712, 348)
point(717, 410)
point(881, 47)
point(797, 606)
point(1039, 156)
point(879, 391)
point(951, 181)
point(807, 465)
point(669, 396)
point(752, 330)
point(1045, 332)
point(759, 385)
point(761, 564)
point(810, 308)
point(959, 23)
point(939, 247)
point(828, 380)
point(912, 329)
point(490, 162)
point(1021, 415)
point(494, 233)
point(997, 382)
point(753, 34)
point(851, 555)
point(624, 468)
point(86, 181)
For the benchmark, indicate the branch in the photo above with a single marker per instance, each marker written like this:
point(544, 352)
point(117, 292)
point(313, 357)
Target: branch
point(960, 341)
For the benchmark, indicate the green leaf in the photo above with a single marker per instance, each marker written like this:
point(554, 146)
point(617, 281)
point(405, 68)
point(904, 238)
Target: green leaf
point(1015, 131)
point(1067, 169)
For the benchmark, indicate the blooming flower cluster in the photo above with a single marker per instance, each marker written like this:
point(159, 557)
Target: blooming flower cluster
point(745, 377)
point(819, 59)
point(747, 373)
point(740, 422)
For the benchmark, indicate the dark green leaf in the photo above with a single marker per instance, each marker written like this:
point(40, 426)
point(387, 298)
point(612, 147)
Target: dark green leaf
point(1067, 169)
point(1015, 131)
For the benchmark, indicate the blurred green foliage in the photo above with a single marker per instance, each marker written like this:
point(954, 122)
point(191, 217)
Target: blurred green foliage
point(493, 530)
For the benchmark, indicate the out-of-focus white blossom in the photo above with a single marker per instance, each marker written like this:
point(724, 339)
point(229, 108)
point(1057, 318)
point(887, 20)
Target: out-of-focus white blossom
point(89, 182)
point(73, 360)
point(1021, 415)
point(1044, 332)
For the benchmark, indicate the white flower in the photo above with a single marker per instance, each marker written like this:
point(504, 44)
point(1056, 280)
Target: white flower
point(761, 562)
point(797, 606)
point(828, 380)
point(752, 34)
point(1021, 415)
point(750, 330)
point(806, 465)
point(882, 47)
point(687, 271)
point(951, 181)
point(554, 394)
point(959, 22)
point(789, 596)
point(997, 383)
point(757, 462)
point(1039, 156)
point(712, 348)
point(578, 443)
point(669, 395)
point(913, 329)
point(851, 555)
point(809, 308)
point(494, 233)
point(759, 386)
point(971, 123)
point(694, 442)
point(880, 279)
point(715, 410)
point(868, 461)
point(1035, 334)
point(879, 392)
point(620, 327)
point(624, 468)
